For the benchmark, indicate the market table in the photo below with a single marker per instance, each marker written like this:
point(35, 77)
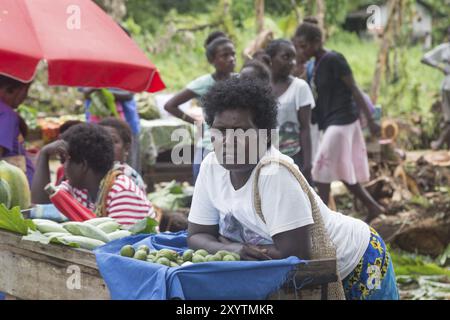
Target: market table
point(31, 270)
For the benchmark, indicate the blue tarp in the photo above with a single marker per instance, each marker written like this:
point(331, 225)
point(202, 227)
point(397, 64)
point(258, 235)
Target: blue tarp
point(128, 278)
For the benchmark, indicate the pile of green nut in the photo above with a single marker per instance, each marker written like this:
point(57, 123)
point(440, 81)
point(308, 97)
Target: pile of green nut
point(171, 258)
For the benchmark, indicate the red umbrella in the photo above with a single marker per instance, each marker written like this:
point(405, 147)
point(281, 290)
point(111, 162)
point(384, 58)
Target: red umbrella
point(82, 45)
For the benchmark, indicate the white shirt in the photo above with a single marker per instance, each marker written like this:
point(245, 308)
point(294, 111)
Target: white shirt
point(441, 54)
point(284, 205)
point(296, 96)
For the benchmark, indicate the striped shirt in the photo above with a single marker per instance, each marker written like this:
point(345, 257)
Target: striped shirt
point(125, 202)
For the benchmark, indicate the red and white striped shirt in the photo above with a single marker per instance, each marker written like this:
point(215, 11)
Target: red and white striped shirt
point(125, 202)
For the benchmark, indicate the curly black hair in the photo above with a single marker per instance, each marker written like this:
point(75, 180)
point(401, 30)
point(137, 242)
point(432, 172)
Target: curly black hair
point(260, 70)
point(213, 41)
point(123, 129)
point(91, 143)
point(275, 45)
point(66, 125)
point(242, 93)
point(311, 32)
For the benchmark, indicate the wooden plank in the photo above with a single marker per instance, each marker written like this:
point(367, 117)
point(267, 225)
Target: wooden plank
point(75, 255)
point(316, 272)
point(32, 270)
point(310, 281)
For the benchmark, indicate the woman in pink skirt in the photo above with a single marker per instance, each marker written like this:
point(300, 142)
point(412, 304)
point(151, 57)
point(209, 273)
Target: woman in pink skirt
point(342, 154)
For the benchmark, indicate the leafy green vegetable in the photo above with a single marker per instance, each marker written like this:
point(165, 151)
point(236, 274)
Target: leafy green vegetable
point(444, 257)
point(172, 197)
point(103, 103)
point(37, 236)
point(29, 114)
point(409, 264)
point(147, 225)
point(12, 220)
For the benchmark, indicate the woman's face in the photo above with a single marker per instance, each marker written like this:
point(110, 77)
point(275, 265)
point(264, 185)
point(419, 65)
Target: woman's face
point(74, 172)
point(236, 140)
point(284, 60)
point(224, 60)
point(305, 50)
point(120, 149)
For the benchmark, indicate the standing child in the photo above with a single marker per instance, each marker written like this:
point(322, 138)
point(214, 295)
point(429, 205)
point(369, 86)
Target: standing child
point(342, 152)
point(295, 102)
point(13, 128)
point(221, 54)
point(439, 58)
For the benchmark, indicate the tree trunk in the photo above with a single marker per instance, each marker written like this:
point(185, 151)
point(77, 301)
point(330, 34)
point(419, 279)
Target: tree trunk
point(321, 9)
point(259, 8)
point(383, 53)
point(298, 15)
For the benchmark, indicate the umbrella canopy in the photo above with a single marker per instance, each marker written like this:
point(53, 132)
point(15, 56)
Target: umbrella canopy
point(81, 44)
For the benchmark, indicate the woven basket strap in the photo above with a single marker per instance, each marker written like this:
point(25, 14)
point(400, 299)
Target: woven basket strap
point(322, 246)
point(297, 174)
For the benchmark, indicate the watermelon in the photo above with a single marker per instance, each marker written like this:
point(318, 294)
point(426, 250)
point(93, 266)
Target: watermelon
point(18, 185)
point(5, 193)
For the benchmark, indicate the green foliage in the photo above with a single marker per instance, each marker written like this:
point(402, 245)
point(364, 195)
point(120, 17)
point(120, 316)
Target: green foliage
point(12, 220)
point(150, 14)
point(172, 197)
point(147, 226)
point(411, 264)
point(29, 114)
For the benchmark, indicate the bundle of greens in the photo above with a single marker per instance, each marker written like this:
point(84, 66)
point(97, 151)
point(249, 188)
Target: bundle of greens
point(173, 196)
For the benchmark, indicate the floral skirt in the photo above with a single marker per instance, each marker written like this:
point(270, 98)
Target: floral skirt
point(374, 276)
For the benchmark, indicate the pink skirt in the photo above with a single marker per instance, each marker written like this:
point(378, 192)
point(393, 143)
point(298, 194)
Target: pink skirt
point(342, 156)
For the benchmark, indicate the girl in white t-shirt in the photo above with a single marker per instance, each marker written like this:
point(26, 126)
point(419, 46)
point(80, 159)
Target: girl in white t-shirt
point(295, 101)
point(223, 217)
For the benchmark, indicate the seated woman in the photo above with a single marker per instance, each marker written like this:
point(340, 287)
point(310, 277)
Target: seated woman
point(88, 155)
point(122, 137)
point(223, 216)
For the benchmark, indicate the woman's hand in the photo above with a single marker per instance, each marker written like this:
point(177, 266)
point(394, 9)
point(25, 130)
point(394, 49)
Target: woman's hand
point(248, 252)
point(58, 147)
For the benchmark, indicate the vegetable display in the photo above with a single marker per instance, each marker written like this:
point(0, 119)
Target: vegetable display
point(171, 258)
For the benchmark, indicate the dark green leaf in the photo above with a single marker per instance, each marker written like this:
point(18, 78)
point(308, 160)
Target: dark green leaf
point(12, 220)
point(147, 225)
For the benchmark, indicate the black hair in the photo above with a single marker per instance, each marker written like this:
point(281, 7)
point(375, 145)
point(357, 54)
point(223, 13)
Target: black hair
point(262, 56)
point(66, 125)
point(274, 46)
point(261, 70)
point(213, 41)
point(91, 143)
point(213, 36)
point(121, 126)
point(241, 93)
point(311, 19)
point(10, 83)
point(311, 32)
